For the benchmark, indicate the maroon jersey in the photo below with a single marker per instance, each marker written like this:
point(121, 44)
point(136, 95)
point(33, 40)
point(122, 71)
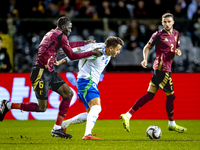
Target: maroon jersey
point(165, 45)
point(51, 43)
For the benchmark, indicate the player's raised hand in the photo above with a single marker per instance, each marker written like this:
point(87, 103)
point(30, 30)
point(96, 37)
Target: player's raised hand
point(144, 64)
point(89, 41)
point(97, 52)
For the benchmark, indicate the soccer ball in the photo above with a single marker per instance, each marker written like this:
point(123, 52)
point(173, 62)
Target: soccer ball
point(153, 132)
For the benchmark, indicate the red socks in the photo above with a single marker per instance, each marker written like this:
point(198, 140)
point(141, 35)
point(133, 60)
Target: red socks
point(131, 111)
point(30, 106)
point(63, 108)
point(170, 106)
point(16, 105)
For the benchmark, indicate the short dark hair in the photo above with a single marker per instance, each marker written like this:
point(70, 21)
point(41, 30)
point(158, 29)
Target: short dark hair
point(62, 21)
point(113, 41)
point(166, 15)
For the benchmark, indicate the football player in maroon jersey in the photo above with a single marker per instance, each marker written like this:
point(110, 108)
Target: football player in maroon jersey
point(166, 42)
point(43, 76)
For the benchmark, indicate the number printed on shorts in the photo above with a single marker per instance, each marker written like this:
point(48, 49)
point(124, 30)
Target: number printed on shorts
point(41, 84)
point(170, 81)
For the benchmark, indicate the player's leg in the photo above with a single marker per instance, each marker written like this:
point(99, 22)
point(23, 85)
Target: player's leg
point(41, 90)
point(80, 118)
point(64, 90)
point(67, 95)
point(41, 87)
point(95, 109)
point(172, 126)
point(169, 91)
point(89, 94)
point(152, 89)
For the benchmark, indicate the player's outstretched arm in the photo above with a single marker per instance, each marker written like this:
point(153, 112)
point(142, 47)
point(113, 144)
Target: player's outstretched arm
point(81, 43)
point(95, 52)
point(74, 56)
point(89, 41)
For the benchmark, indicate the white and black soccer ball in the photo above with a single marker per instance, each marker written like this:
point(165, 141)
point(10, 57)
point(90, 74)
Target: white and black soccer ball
point(154, 132)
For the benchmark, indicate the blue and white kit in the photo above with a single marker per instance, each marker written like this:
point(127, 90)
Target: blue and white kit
point(90, 70)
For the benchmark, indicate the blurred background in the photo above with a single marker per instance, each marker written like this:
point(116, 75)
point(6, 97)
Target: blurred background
point(24, 23)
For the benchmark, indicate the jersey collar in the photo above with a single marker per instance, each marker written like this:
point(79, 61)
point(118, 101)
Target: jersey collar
point(103, 50)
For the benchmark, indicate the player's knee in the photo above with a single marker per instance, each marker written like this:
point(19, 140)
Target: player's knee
point(150, 95)
point(171, 98)
point(71, 94)
point(68, 94)
point(97, 108)
point(42, 109)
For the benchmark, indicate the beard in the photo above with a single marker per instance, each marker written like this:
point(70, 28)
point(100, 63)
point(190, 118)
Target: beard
point(168, 29)
point(67, 33)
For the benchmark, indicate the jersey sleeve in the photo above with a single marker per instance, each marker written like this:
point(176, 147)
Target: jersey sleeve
point(87, 48)
point(76, 44)
point(83, 49)
point(153, 39)
point(89, 58)
point(69, 52)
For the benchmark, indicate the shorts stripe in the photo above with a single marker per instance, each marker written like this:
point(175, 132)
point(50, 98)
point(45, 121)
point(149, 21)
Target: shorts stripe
point(165, 80)
point(86, 88)
point(38, 78)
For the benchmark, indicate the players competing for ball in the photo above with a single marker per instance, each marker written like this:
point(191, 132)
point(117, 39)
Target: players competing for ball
point(167, 46)
point(89, 73)
point(43, 76)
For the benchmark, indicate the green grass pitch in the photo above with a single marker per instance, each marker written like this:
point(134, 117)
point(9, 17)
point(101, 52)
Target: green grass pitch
point(35, 135)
